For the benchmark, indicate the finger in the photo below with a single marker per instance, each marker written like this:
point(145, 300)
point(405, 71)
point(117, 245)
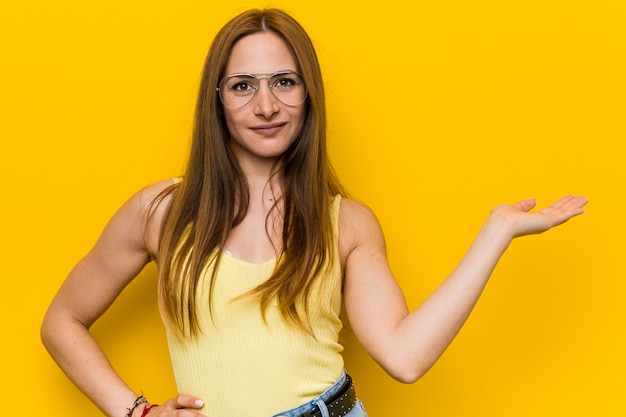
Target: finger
point(568, 204)
point(186, 401)
point(525, 205)
point(572, 209)
point(577, 202)
point(557, 205)
point(571, 205)
point(565, 202)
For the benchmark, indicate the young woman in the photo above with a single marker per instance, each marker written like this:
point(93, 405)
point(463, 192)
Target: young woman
point(257, 249)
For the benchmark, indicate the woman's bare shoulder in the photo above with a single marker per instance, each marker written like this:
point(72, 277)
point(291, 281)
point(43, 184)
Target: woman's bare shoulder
point(154, 195)
point(353, 214)
point(358, 225)
point(150, 204)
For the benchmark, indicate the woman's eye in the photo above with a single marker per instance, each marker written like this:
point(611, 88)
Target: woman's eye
point(242, 86)
point(284, 82)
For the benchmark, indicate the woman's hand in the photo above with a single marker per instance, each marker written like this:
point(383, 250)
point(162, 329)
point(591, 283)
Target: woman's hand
point(178, 406)
point(520, 221)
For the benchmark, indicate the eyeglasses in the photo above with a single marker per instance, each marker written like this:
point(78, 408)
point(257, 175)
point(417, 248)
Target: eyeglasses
point(237, 90)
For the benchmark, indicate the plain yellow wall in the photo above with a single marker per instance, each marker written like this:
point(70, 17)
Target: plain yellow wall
point(438, 110)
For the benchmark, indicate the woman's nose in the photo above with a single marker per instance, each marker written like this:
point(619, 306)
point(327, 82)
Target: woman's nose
point(265, 103)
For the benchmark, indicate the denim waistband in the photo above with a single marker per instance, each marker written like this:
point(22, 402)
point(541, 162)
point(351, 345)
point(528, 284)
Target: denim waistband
point(312, 404)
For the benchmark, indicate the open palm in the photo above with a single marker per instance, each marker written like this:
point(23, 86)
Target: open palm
point(523, 222)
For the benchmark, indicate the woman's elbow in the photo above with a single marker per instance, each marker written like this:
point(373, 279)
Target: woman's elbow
point(47, 331)
point(53, 330)
point(407, 373)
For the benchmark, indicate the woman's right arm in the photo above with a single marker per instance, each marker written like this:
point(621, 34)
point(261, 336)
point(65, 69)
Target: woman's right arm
point(126, 245)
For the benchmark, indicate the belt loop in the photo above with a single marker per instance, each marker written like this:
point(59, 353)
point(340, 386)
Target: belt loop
point(322, 406)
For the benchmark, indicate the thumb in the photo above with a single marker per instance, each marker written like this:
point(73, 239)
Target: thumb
point(185, 401)
point(526, 205)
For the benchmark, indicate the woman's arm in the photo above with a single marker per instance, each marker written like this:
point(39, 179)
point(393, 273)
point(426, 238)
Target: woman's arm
point(127, 243)
point(407, 344)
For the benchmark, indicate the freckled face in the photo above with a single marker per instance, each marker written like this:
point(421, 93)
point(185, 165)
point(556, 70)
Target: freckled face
point(265, 127)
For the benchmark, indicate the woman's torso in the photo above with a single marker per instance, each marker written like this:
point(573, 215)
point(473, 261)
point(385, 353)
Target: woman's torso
point(242, 366)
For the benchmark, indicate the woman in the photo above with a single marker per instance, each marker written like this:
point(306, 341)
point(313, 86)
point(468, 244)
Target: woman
point(256, 247)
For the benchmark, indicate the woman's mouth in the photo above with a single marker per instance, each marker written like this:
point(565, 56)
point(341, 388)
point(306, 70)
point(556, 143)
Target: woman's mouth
point(268, 129)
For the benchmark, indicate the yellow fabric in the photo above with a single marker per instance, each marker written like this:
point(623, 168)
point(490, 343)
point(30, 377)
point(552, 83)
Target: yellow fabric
point(242, 367)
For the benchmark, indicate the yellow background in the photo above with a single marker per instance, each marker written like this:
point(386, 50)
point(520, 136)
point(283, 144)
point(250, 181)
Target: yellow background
point(438, 111)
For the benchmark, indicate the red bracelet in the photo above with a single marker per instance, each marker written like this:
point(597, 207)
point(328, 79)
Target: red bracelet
point(146, 410)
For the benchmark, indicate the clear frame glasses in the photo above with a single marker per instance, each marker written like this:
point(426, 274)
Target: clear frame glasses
point(237, 90)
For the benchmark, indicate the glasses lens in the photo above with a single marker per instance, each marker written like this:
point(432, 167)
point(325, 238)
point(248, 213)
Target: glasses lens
point(238, 90)
point(288, 87)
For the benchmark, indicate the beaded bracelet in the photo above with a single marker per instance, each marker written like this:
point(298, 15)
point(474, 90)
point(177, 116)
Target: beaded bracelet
point(146, 410)
point(140, 400)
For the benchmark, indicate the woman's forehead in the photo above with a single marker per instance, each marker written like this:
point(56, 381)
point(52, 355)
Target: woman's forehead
point(260, 53)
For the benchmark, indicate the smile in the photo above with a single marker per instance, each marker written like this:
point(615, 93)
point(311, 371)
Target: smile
point(269, 129)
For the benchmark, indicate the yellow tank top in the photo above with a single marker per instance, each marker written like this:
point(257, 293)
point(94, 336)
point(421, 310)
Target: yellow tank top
point(243, 367)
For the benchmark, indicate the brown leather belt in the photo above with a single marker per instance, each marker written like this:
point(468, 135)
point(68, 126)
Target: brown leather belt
point(339, 404)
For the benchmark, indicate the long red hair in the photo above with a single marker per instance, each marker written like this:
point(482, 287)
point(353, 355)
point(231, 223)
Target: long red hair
point(213, 196)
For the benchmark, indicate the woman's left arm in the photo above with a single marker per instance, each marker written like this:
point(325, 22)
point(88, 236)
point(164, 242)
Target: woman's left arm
point(406, 344)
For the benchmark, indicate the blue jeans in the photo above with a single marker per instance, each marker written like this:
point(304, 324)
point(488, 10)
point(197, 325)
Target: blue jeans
point(318, 402)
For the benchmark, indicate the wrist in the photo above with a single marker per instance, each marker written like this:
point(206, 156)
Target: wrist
point(140, 408)
point(499, 228)
point(146, 409)
point(132, 410)
point(497, 231)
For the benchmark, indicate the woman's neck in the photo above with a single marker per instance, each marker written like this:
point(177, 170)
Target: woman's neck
point(262, 184)
point(264, 188)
